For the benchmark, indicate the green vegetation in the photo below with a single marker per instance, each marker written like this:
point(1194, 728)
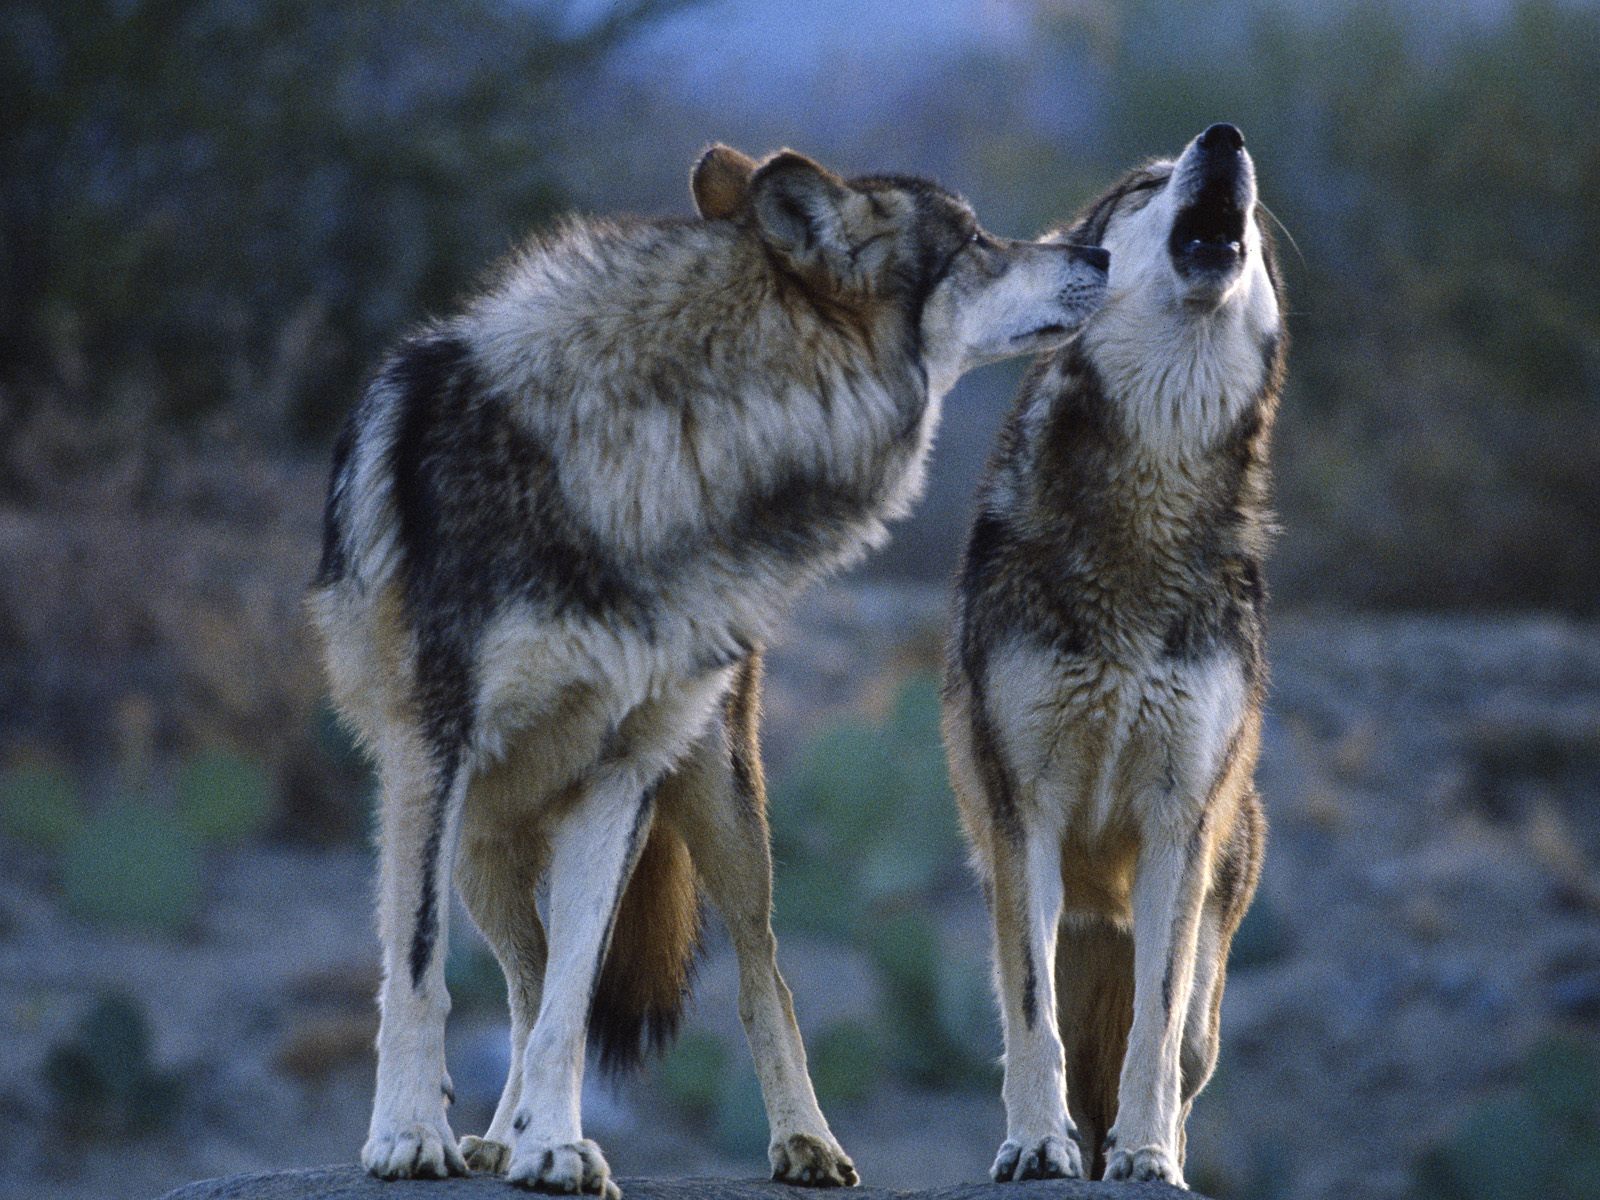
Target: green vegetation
point(223, 797)
point(865, 819)
point(102, 1078)
point(717, 1089)
point(473, 976)
point(215, 201)
point(692, 1071)
point(40, 804)
point(937, 1019)
point(846, 1062)
point(136, 861)
point(1552, 1120)
point(133, 865)
point(865, 832)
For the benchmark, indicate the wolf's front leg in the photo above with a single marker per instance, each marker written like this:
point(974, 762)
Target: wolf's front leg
point(1041, 1141)
point(1168, 896)
point(592, 855)
point(721, 813)
point(409, 1135)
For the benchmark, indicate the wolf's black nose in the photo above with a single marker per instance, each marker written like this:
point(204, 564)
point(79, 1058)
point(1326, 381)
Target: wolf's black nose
point(1222, 136)
point(1095, 256)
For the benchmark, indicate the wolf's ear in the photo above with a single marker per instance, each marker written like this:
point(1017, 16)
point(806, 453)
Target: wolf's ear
point(800, 209)
point(720, 181)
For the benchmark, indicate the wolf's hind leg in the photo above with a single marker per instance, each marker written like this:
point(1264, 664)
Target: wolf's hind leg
point(498, 874)
point(422, 792)
point(717, 800)
point(593, 848)
point(1041, 1140)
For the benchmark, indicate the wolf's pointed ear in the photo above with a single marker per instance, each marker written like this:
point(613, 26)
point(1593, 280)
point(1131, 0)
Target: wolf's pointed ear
point(800, 210)
point(720, 181)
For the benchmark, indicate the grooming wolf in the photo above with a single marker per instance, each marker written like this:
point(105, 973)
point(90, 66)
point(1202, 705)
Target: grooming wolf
point(560, 524)
point(1105, 676)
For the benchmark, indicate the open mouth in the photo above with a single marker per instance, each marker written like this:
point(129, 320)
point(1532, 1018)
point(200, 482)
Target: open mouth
point(1208, 235)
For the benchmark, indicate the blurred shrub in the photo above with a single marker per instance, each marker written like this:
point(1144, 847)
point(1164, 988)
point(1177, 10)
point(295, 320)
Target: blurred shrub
point(713, 1087)
point(846, 1062)
point(740, 1127)
point(864, 832)
point(938, 1020)
point(1262, 937)
point(1542, 1139)
point(102, 1078)
point(133, 865)
point(216, 201)
point(40, 804)
point(875, 798)
point(691, 1072)
point(473, 976)
point(223, 797)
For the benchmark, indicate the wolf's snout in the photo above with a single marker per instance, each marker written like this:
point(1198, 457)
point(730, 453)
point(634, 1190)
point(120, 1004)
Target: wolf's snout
point(1221, 137)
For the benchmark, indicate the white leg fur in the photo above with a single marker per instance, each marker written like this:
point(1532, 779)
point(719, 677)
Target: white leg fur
point(728, 841)
point(1040, 1136)
point(1144, 1143)
point(593, 849)
point(409, 1134)
point(498, 875)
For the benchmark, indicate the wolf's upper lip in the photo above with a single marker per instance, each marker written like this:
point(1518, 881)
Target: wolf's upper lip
point(1040, 332)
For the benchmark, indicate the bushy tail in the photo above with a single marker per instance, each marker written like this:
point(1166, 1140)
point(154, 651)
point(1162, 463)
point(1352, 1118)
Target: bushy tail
point(639, 998)
point(1094, 990)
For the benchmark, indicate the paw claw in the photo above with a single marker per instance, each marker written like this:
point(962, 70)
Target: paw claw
point(572, 1167)
point(811, 1162)
point(1144, 1165)
point(1049, 1157)
point(415, 1151)
point(484, 1154)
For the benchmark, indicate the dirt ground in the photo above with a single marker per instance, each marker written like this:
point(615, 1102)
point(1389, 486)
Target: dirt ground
point(1430, 909)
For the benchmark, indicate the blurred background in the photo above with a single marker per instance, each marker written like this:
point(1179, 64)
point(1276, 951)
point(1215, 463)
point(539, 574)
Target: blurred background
point(216, 213)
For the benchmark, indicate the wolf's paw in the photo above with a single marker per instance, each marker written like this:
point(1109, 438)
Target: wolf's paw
point(811, 1162)
point(569, 1167)
point(1049, 1157)
point(481, 1154)
point(1148, 1163)
point(413, 1151)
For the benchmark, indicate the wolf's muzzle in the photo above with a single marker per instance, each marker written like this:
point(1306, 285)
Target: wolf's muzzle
point(1208, 231)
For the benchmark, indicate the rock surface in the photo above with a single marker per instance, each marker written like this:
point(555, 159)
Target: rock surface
point(351, 1183)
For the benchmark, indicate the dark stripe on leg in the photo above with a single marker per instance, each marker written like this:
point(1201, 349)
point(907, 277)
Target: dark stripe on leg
point(1188, 908)
point(997, 783)
point(1030, 986)
point(425, 931)
point(742, 716)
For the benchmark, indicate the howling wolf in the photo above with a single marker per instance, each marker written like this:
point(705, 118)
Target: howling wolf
point(560, 525)
point(1104, 679)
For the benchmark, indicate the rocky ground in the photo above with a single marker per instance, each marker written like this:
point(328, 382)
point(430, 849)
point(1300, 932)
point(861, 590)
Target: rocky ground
point(1429, 912)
